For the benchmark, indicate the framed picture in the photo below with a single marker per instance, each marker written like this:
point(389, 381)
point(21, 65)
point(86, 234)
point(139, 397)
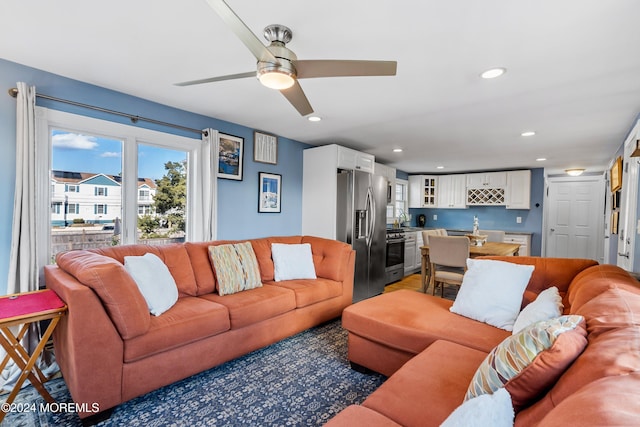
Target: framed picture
point(265, 148)
point(269, 192)
point(231, 150)
point(614, 222)
point(616, 175)
point(615, 203)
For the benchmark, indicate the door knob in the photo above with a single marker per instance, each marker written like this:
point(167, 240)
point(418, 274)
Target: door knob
point(553, 229)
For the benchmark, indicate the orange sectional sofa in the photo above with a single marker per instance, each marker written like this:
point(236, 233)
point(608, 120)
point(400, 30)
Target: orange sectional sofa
point(431, 354)
point(110, 349)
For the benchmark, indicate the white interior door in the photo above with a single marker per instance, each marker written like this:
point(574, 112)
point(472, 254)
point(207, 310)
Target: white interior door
point(575, 218)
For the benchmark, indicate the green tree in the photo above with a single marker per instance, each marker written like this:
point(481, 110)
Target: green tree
point(171, 194)
point(148, 225)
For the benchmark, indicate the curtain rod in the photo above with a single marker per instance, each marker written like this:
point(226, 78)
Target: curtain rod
point(134, 119)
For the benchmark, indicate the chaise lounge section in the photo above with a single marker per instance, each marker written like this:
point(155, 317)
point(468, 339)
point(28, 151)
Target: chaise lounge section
point(431, 354)
point(110, 349)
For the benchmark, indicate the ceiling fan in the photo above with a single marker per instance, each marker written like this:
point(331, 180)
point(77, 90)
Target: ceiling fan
point(279, 68)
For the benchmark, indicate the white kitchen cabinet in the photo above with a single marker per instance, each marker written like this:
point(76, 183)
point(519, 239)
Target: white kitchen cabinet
point(419, 242)
point(423, 191)
point(354, 160)
point(389, 173)
point(409, 252)
point(518, 192)
point(487, 180)
point(452, 191)
point(523, 239)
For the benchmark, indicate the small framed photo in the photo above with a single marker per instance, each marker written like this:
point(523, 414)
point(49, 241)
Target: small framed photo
point(265, 148)
point(270, 192)
point(616, 175)
point(231, 152)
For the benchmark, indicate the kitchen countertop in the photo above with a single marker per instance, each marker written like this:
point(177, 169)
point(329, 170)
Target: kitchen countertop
point(463, 231)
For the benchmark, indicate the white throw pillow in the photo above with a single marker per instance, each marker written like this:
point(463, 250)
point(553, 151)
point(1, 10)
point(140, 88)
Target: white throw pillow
point(292, 261)
point(547, 305)
point(491, 292)
point(154, 281)
point(493, 410)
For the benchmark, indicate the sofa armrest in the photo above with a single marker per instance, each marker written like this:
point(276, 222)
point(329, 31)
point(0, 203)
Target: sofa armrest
point(87, 345)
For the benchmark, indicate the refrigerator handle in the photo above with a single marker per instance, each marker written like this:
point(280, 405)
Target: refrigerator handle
point(371, 216)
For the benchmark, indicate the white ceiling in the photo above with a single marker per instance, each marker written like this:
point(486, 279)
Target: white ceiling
point(573, 71)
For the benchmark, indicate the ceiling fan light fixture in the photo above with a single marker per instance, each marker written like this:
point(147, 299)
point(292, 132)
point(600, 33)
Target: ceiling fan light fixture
point(276, 79)
point(574, 172)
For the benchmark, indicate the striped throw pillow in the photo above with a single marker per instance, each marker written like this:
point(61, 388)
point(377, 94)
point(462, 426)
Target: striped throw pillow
point(528, 363)
point(236, 267)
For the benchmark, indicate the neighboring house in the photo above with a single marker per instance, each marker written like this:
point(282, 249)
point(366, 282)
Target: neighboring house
point(94, 198)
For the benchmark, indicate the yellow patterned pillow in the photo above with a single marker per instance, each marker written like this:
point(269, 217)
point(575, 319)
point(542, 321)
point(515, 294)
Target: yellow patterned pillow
point(236, 267)
point(531, 361)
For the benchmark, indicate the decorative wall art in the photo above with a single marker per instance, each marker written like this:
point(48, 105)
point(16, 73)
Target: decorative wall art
point(616, 175)
point(231, 149)
point(265, 148)
point(270, 192)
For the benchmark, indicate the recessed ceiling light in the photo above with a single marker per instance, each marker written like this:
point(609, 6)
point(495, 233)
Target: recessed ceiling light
point(439, 167)
point(397, 150)
point(493, 73)
point(541, 159)
point(528, 133)
point(314, 118)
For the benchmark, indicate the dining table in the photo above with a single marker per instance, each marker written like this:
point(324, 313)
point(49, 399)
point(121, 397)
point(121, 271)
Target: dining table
point(488, 248)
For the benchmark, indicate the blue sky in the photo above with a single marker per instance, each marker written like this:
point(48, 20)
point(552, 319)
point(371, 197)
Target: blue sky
point(85, 153)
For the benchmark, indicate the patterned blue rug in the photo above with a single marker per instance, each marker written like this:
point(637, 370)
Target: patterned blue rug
point(303, 380)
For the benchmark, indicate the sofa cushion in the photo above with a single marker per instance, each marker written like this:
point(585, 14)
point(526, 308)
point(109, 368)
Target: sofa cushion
point(358, 415)
point(528, 363)
point(546, 306)
point(174, 256)
point(292, 262)
point(411, 321)
point(114, 286)
point(491, 292)
point(610, 401)
point(153, 280)
point(190, 319)
point(548, 272)
point(435, 377)
point(493, 410)
point(593, 282)
point(309, 291)
point(252, 306)
point(330, 257)
point(235, 267)
point(201, 264)
point(262, 249)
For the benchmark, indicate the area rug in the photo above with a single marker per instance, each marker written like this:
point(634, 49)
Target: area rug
point(303, 380)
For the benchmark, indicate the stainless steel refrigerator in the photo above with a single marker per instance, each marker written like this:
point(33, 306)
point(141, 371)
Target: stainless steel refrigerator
point(361, 222)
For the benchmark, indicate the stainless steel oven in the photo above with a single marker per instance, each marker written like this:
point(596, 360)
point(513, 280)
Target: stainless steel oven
point(394, 260)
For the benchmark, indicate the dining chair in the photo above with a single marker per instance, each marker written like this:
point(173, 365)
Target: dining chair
point(493, 235)
point(448, 261)
point(425, 241)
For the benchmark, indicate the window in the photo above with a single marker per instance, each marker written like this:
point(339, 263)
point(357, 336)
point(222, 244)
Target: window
point(97, 171)
point(73, 208)
point(401, 196)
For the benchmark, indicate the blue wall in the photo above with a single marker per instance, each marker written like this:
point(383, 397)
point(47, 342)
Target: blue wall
point(496, 217)
point(238, 216)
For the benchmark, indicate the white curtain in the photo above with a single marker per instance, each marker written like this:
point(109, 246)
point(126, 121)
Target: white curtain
point(23, 262)
point(209, 180)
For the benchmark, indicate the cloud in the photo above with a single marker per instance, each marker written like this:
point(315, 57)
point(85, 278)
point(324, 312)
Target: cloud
point(110, 154)
point(74, 141)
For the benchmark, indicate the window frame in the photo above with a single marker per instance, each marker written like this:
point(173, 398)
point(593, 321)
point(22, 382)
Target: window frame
point(132, 137)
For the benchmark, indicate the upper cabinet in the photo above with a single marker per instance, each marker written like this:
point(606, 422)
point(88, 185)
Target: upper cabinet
point(389, 173)
point(452, 191)
point(423, 191)
point(355, 160)
point(511, 189)
point(518, 189)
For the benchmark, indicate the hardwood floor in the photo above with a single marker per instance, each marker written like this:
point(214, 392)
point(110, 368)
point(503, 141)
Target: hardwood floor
point(412, 282)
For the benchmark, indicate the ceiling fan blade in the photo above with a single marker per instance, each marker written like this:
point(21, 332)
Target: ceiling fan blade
point(243, 32)
point(307, 69)
point(218, 79)
point(295, 95)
